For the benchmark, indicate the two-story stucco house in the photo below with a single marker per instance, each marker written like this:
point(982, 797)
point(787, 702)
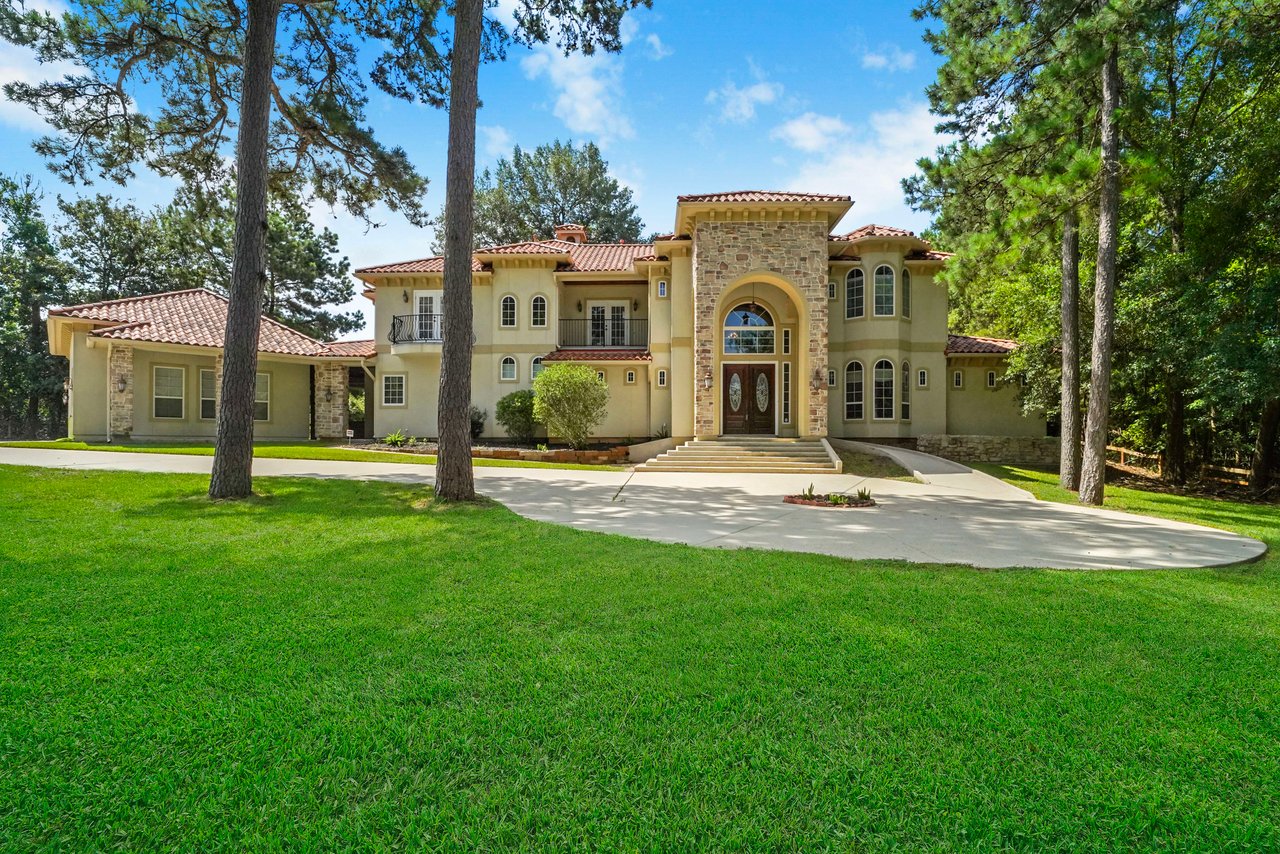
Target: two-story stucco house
point(754, 316)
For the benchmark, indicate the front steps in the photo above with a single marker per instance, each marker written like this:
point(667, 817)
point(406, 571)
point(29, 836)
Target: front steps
point(746, 454)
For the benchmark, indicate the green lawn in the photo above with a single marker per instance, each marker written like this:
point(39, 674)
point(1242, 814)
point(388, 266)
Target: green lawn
point(873, 465)
point(342, 664)
point(290, 451)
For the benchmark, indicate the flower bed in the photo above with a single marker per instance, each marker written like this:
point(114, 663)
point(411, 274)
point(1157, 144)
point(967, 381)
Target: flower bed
point(837, 500)
point(595, 456)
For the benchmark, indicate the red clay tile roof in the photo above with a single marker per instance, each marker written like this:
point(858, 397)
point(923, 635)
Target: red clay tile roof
point(434, 264)
point(353, 349)
point(765, 196)
point(601, 257)
point(195, 318)
point(528, 247)
point(978, 344)
point(616, 355)
point(873, 230)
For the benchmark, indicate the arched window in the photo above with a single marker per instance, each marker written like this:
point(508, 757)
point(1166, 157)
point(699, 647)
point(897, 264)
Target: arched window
point(884, 291)
point(508, 370)
point(855, 294)
point(906, 386)
point(535, 367)
point(883, 390)
point(906, 292)
point(507, 317)
point(538, 312)
point(748, 328)
point(853, 395)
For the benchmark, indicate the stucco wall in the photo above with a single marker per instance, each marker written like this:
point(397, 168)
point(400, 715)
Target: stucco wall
point(976, 410)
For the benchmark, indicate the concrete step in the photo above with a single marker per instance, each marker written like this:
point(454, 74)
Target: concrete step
point(745, 454)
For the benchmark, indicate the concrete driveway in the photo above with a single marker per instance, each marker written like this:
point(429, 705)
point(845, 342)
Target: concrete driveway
point(966, 517)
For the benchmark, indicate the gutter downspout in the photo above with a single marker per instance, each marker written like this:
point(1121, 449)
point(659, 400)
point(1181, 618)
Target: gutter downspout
point(110, 344)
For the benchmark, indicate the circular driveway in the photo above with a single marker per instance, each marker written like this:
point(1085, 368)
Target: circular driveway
point(961, 517)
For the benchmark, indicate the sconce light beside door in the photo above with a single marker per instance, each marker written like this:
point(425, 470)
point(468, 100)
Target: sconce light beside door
point(404, 295)
point(706, 381)
point(121, 385)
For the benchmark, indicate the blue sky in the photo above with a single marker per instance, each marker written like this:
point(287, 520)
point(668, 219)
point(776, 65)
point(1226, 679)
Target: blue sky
point(707, 95)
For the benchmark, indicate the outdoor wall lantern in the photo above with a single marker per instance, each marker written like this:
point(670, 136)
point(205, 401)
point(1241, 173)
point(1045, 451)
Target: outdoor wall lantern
point(817, 378)
point(706, 381)
point(328, 395)
point(635, 305)
point(579, 306)
point(404, 295)
point(121, 384)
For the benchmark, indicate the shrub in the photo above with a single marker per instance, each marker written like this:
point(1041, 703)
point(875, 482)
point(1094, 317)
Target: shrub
point(571, 400)
point(395, 440)
point(515, 413)
point(478, 417)
point(355, 407)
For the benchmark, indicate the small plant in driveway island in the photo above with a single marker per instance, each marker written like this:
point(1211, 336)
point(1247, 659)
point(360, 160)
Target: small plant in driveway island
point(810, 498)
point(570, 400)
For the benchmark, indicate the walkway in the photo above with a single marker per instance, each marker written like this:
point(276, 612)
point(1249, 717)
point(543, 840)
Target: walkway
point(945, 522)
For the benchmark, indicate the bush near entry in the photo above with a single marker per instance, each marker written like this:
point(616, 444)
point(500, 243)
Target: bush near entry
point(571, 401)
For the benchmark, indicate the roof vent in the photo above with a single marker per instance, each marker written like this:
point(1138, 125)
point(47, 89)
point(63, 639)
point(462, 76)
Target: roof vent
point(571, 232)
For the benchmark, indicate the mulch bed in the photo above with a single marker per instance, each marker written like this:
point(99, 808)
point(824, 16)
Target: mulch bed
point(851, 504)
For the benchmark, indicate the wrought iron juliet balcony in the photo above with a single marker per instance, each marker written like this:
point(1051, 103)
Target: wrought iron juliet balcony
point(417, 329)
point(604, 332)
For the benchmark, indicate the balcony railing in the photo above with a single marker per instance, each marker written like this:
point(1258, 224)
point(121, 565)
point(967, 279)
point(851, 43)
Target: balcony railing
point(417, 329)
point(604, 332)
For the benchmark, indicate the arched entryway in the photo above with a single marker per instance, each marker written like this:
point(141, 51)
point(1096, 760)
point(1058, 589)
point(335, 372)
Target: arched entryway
point(761, 358)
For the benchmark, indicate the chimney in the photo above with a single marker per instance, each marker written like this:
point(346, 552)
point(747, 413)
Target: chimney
point(571, 232)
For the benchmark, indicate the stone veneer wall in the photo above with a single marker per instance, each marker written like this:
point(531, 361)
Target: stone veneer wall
point(120, 403)
point(331, 415)
point(724, 252)
point(1030, 450)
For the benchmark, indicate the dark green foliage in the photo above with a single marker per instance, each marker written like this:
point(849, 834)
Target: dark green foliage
point(478, 418)
point(528, 195)
point(515, 414)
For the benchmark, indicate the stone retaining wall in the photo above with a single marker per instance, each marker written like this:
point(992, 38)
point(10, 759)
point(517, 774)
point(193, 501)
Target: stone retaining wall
point(1028, 450)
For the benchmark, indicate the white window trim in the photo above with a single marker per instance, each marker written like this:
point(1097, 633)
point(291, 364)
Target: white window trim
point(546, 312)
point(534, 364)
point(863, 402)
point(905, 296)
point(724, 350)
point(662, 288)
point(893, 292)
point(786, 342)
point(404, 390)
point(893, 396)
point(957, 374)
point(904, 393)
point(200, 393)
point(831, 377)
point(847, 277)
point(833, 289)
point(786, 393)
point(515, 320)
point(922, 377)
point(515, 369)
point(256, 419)
point(600, 375)
point(992, 380)
point(662, 378)
point(155, 397)
point(631, 378)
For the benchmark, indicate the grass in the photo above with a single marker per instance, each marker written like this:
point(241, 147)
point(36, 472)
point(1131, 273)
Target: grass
point(292, 451)
point(874, 465)
point(341, 664)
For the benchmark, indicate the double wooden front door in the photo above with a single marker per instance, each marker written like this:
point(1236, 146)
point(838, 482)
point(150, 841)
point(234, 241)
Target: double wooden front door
point(748, 399)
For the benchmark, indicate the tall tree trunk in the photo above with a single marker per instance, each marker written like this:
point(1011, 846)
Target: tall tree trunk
point(1094, 466)
point(233, 451)
point(1174, 468)
point(36, 347)
point(1264, 449)
point(454, 478)
point(1069, 467)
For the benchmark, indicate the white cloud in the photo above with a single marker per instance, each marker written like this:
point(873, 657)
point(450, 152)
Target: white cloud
point(589, 91)
point(738, 103)
point(811, 132)
point(657, 50)
point(889, 58)
point(870, 165)
point(495, 141)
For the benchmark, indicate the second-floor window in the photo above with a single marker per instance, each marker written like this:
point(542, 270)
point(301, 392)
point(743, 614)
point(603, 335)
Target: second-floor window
point(884, 291)
point(538, 312)
point(906, 293)
point(855, 294)
point(507, 313)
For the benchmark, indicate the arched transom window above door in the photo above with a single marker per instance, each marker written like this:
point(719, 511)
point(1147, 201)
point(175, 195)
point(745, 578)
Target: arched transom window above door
point(748, 329)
